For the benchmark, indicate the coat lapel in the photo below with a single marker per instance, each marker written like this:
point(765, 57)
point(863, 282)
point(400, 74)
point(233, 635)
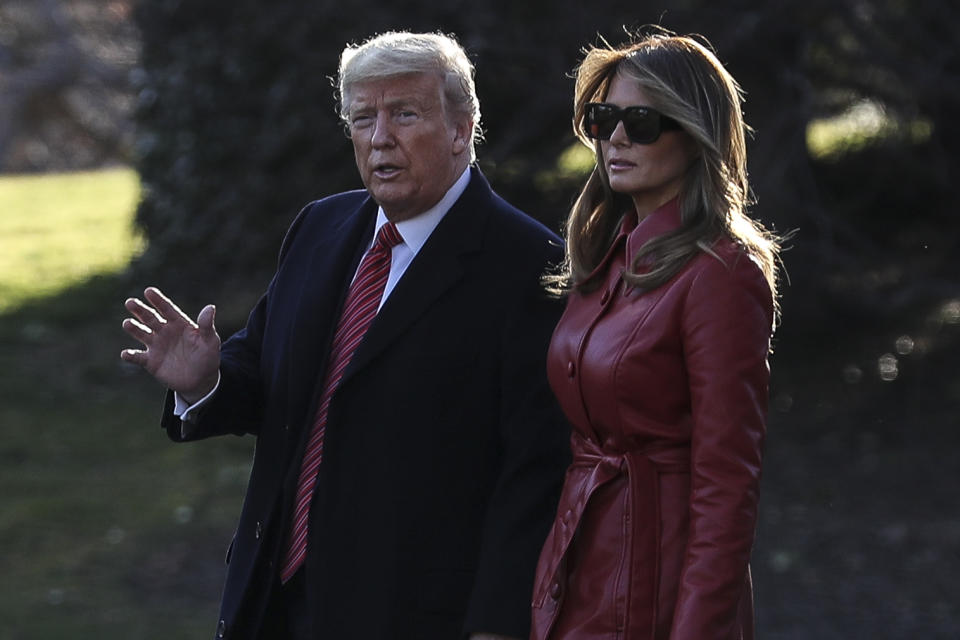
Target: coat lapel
point(334, 257)
point(436, 268)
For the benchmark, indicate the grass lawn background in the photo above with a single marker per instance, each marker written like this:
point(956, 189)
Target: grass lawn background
point(108, 530)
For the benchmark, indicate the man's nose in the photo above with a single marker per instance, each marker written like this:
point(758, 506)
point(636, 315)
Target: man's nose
point(382, 131)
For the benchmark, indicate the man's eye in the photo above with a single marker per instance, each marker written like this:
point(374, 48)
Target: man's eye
point(361, 121)
point(406, 115)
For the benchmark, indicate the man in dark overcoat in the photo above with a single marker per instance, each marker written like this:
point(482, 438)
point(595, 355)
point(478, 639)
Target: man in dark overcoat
point(408, 450)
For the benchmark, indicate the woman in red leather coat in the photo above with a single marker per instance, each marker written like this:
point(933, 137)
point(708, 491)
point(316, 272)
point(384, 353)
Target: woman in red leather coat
point(660, 361)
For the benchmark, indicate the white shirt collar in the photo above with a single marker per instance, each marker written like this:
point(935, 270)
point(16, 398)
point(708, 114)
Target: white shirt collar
point(416, 230)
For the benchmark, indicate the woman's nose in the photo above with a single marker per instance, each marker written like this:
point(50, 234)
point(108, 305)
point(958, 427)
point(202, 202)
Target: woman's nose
point(619, 136)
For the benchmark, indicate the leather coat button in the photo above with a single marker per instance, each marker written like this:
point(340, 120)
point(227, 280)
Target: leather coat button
point(222, 629)
point(258, 531)
point(571, 370)
point(555, 591)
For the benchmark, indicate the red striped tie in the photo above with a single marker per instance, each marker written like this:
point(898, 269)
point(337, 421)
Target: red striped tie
point(360, 307)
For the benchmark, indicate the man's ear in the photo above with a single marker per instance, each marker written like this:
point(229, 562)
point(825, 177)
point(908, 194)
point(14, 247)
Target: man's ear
point(462, 135)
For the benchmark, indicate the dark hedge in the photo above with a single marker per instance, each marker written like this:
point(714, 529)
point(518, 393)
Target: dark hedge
point(238, 128)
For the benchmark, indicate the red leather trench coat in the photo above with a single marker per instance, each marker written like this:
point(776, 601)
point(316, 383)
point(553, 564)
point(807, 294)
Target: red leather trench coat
point(667, 393)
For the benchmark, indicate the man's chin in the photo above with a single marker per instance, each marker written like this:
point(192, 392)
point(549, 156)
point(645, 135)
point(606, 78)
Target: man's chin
point(397, 206)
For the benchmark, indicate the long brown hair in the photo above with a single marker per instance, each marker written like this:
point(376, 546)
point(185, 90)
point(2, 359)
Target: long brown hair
point(685, 81)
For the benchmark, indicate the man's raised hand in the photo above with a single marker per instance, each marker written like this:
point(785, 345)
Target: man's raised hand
point(180, 353)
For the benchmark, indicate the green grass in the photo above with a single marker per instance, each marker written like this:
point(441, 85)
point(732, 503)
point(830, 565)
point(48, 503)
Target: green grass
point(58, 230)
point(108, 530)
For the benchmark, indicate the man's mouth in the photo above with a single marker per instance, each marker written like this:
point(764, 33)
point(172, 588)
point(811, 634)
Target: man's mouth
point(384, 171)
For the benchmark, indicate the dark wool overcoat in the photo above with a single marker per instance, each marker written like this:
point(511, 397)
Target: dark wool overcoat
point(444, 449)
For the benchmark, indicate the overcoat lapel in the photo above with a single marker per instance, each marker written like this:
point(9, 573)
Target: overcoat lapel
point(334, 259)
point(437, 267)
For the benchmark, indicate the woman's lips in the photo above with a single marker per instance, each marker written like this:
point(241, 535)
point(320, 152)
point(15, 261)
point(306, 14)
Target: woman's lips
point(620, 165)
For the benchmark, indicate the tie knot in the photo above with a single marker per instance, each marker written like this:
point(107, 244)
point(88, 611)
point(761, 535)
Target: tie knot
point(388, 236)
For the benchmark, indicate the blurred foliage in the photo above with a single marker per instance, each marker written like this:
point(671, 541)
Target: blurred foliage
point(861, 126)
point(65, 98)
point(238, 129)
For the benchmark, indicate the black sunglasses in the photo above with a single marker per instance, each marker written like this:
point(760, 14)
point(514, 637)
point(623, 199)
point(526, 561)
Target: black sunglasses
point(642, 124)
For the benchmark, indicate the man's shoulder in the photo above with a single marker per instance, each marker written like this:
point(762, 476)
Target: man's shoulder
point(514, 229)
point(326, 216)
point(524, 223)
point(344, 203)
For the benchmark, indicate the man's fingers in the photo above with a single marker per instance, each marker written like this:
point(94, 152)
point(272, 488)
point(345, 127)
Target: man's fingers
point(134, 356)
point(164, 305)
point(147, 315)
point(137, 330)
point(206, 320)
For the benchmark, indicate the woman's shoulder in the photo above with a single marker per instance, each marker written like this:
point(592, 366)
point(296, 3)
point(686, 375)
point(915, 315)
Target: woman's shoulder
point(727, 287)
point(727, 270)
point(725, 257)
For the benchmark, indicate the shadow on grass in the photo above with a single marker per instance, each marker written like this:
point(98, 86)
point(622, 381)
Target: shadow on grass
point(108, 529)
point(859, 533)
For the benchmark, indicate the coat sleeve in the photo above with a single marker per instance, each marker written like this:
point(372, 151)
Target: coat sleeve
point(534, 453)
point(237, 406)
point(726, 327)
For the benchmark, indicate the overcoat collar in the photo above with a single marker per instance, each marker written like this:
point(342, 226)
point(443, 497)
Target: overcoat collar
point(662, 220)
